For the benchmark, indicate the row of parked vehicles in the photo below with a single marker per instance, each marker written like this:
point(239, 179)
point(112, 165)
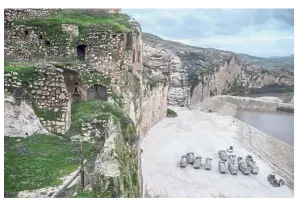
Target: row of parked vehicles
point(236, 163)
point(190, 158)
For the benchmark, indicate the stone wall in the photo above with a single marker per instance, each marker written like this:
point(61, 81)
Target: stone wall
point(50, 95)
point(20, 14)
point(154, 108)
point(47, 95)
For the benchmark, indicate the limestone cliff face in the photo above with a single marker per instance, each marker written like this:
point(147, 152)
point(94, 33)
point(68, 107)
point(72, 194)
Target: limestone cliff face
point(196, 73)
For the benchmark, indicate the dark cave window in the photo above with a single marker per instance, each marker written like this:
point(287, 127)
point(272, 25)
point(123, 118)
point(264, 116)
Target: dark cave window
point(40, 37)
point(26, 32)
point(139, 55)
point(133, 56)
point(76, 89)
point(47, 42)
point(129, 40)
point(81, 52)
point(97, 92)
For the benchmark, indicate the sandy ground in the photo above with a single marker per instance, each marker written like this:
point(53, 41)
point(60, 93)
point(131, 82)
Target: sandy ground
point(204, 134)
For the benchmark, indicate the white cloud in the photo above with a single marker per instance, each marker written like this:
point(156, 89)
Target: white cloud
point(259, 31)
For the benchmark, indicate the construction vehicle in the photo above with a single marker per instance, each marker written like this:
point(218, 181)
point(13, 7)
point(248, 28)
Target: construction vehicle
point(190, 156)
point(222, 167)
point(223, 155)
point(276, 183)
point(208, 163)
point(183, 161)
point(242, 166)
point(252, 164)
point(232, 168)
point(197, 162)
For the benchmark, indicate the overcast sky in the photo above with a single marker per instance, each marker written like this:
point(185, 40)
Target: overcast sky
point(259, 32)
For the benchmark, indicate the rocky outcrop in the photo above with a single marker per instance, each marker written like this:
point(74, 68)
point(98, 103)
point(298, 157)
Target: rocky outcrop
point(75, 63)
point(196, 73)
point(20, 120)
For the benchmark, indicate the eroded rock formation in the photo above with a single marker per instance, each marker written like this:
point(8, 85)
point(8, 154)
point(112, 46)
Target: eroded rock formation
point(196, 73)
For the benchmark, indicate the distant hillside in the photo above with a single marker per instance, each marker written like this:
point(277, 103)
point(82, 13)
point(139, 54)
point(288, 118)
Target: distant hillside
point(270, 62)
point(210, 54)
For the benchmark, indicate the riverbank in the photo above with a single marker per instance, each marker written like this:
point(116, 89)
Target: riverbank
point(285, 97)
point(229, 105)
point(205, 134)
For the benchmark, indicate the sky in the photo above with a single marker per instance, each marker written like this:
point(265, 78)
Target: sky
point(258, 32)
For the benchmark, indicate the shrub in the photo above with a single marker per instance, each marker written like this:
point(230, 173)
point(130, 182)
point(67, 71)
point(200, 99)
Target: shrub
point(171, 113)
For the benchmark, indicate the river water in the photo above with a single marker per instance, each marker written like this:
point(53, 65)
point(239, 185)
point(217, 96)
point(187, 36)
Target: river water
point(277, 124)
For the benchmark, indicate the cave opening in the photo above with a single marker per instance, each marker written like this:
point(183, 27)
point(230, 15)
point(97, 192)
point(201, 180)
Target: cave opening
point(76, 96)
point(97, 92)
point(81, 52)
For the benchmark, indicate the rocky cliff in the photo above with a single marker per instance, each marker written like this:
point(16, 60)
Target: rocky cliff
point(80, 72)
point(196, 73)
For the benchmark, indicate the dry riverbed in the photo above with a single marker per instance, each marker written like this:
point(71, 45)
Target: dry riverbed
point(204, 134)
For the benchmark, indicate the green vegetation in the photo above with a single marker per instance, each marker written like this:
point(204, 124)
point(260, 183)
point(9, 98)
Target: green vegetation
point(117, 98)
point(88, 194)
point(155, 80)
point(171, 113)
point(265, 71)
point(128, 159)
point(81, 18)
point(96, 78)
point(26, 73)
point(236, 89)
point(127, 184)
point(47, 114)
point(39, 161)
point(201, 71)
point(88, 110)
point(287, 89)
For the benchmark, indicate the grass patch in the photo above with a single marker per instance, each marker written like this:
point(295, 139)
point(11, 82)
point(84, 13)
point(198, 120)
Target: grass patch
point(86, 111)
point(96, 78)
point(287, 89)
point(26, 73)
point(81, 18)
point(171, 113)
point(47, 114)
point(39, 161)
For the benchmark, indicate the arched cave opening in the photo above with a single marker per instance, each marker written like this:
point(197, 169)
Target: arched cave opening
point(76, 95)
point(81, 52)
point(75, 85)
point(97, 92)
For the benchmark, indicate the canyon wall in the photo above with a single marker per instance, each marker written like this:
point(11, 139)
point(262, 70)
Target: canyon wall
point(197, 73)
